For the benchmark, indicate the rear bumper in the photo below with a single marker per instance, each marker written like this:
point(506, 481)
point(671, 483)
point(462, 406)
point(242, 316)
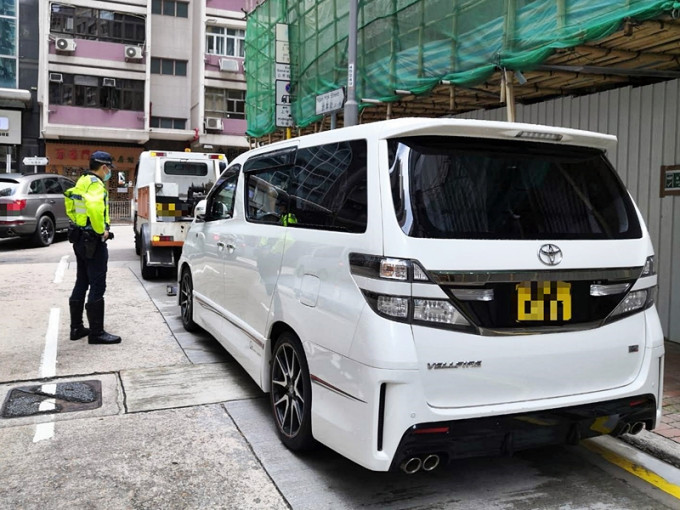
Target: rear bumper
point(11, 227)
point(503, 435)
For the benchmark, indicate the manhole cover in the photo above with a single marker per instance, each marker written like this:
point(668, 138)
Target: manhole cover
point(52, 398)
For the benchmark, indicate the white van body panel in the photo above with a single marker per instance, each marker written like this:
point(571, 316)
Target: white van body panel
point(373, 377)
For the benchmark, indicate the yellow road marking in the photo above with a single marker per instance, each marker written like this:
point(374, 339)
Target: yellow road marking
point(635, 469)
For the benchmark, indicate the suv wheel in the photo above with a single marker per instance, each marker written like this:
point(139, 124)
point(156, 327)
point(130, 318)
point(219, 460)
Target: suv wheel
point(44, 233)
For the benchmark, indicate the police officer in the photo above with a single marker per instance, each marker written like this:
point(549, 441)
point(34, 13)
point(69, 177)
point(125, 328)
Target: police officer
point(87, 205)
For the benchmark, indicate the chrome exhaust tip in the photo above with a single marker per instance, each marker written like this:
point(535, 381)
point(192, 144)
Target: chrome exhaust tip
point(637, 427)
point(412, 465)
point(430, 462)
point(625, 429)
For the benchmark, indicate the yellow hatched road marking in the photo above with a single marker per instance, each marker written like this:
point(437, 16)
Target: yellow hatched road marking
point(635, 469)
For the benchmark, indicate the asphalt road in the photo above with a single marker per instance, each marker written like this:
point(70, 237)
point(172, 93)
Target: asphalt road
point(180, 425)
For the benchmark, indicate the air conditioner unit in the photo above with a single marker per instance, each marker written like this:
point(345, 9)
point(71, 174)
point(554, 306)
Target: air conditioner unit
point(108, 82)
point(133, 52)
point(56, 78)
point(213, 123)
point(227, 64)
point(64, 44)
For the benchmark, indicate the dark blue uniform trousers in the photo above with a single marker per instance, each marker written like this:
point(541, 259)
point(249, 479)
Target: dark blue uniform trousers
point(90, 272)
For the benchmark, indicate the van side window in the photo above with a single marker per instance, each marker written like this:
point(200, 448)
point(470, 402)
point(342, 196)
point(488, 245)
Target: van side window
point(221, 201)
point(267, 181)
point(325, 188)
point(328, 187)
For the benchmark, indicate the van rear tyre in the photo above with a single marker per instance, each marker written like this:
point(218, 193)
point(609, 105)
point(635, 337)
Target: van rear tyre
point(291, 393)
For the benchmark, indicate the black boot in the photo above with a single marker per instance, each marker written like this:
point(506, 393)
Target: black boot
point(78, 329)
point(95, 316)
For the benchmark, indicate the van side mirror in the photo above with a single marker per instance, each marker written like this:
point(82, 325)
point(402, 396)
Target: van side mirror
point(199, 210)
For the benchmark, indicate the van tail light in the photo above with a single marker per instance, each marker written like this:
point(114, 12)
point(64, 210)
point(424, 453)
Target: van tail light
point(641, 298)
point(402, 305)
point(16, 205)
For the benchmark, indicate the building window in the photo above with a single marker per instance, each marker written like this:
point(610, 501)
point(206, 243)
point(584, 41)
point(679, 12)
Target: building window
point(97, 24)
point(96, 92)
point(167, 123)
point(225, 103)
point(170, 8)
point(8, 44)
point(8, 8)
point(225, 41)
point(168, 66)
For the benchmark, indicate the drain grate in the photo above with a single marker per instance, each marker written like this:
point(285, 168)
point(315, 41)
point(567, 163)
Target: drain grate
point(53, 398)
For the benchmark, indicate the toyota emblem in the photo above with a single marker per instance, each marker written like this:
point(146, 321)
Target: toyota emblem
point(550, 254)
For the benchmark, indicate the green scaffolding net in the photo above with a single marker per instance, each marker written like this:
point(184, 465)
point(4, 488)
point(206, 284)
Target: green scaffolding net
point(413, 45)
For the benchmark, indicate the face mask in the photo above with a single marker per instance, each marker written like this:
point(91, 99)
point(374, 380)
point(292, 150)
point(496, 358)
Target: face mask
point(108, 175)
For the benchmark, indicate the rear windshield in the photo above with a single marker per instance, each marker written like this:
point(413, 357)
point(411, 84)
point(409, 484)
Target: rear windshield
point(196, 169)
point(7, 187)
point(468, 188)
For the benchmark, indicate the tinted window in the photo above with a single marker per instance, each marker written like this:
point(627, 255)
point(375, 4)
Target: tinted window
point(66, 184)
point(52, 186)
point(36, 187)
point(328, 186)
point(325, 187)
point(221, 201)
point(185, 168)
point(457, 188)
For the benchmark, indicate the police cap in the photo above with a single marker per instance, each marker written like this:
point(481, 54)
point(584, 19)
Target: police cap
point(101, 157)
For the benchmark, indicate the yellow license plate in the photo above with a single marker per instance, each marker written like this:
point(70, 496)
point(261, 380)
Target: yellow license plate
point(543, 301)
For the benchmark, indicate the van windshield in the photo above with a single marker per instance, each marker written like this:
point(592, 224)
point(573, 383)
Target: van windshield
point(469, 188)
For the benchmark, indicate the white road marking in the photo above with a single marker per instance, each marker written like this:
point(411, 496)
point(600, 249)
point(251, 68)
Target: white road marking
point(61, 268)
point(48, 368)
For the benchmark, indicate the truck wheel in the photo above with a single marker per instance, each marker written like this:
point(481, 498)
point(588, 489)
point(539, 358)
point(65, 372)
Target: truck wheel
point(44, 232)
point(138, 247)
point(147, 272)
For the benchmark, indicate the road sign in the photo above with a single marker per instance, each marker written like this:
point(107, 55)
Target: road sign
point(330, 101)
point(35, 161)
point(283, 116)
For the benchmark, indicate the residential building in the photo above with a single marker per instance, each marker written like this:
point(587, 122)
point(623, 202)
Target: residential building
point(138, 75)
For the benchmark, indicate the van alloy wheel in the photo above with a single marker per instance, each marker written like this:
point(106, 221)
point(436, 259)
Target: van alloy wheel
point(186, 301)
point(291, 393)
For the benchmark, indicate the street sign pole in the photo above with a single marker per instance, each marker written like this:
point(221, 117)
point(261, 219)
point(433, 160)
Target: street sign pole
point(351, 105)
point(35, 161)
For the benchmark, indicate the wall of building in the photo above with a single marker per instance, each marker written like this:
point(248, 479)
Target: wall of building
point(646, 121)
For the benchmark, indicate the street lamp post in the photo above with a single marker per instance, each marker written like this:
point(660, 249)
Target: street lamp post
point(351, 106)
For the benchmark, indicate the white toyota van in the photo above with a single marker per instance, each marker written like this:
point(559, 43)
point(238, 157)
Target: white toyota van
point(418, 290)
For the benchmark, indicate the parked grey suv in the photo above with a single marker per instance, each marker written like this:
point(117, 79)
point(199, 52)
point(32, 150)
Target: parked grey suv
point(32, 206)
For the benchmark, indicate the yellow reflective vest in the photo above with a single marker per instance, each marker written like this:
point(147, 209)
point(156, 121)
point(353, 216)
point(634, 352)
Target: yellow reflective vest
point(87, 203)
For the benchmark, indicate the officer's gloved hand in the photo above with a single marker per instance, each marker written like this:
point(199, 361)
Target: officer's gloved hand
point(110, 237)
